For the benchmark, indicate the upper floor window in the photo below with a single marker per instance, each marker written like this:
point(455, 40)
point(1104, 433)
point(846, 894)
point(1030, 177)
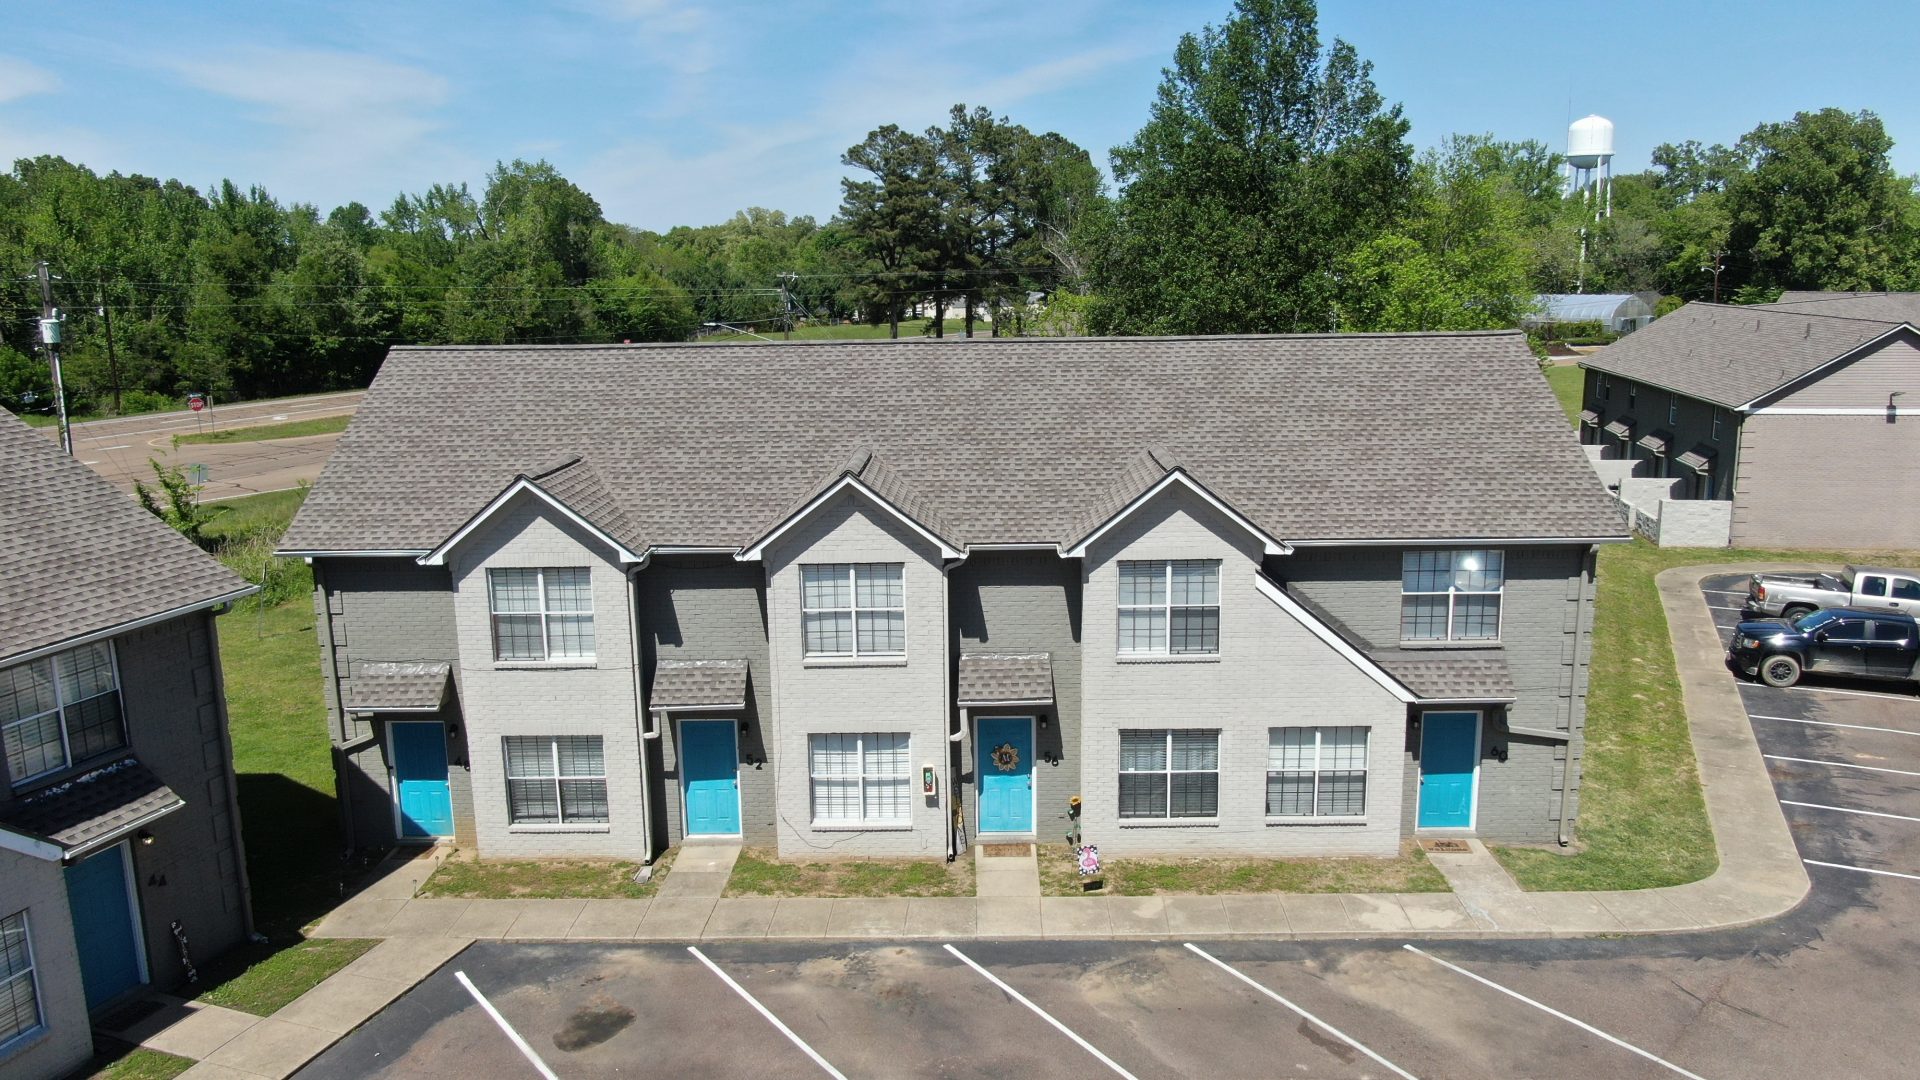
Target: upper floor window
point(541, 614)
point(556, 780)
point(1170, 607)
point(1606, 387)
point(1633, 394)
point(853, 609)
point(19, 990)
point(1716, 425)
point(59, 710)
point(1451, 595)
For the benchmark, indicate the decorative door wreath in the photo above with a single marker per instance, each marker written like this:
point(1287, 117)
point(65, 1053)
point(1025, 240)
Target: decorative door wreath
point(1005, 757)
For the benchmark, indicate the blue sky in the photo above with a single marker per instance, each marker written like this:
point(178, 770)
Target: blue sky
point(680, 112)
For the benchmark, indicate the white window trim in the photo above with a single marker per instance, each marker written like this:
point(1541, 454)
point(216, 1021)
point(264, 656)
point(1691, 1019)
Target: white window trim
point(545, 616)
point(863, 821)
point(1169, 773)
point(559, 801)
point(60, 705)
point(1673, 408)
point(1319, 741)
point(1452, 594)
point(1718, 415)
point(1167, 609)
point(853, 610)
point(32, 975)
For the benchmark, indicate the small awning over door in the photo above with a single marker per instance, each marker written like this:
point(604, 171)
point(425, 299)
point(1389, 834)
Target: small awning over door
point(404, 687)
point(1621, 428)
point(699, 684)
point(1699, 459)
point(1654, 443)
point(79, 816)
point(1589, 418)
point(1004, 679)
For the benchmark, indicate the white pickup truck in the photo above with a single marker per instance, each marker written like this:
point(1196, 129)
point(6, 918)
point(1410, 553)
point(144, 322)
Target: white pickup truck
point(1866, 588)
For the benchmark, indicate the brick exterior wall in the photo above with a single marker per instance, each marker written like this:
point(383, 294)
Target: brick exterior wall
point(65, 1042)
point(565, 698)
point(1270, 672)
point(811, 697)
point(1691, 425)
point(1024, 602)
point(705, 607)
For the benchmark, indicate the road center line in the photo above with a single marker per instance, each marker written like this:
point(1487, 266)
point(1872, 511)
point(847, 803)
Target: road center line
point(1551, 1011)
point(1309, 1017)
point(1847, 810)
point(1839, 764)
point(1860, 869)
point(771, 1019)
point(1832, 723)
point(539, 1066)
point(1042, 1014)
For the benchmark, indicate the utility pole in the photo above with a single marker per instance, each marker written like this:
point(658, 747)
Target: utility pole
point(113, 359)
point(786, 304)
point(1715, 271)
point(50, 340)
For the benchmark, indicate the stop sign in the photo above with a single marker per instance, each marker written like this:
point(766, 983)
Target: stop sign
point(196, 403)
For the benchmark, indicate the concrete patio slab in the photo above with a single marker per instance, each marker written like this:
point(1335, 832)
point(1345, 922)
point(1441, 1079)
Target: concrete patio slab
point(693, 884)
point(609, 919)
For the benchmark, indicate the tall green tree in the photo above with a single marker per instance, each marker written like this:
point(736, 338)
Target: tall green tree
point(1267, 160)
point(894, 216)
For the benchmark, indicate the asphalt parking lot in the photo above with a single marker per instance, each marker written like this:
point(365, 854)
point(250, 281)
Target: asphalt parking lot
point(1826, 991)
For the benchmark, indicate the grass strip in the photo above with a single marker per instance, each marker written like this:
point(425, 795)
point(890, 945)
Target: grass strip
point(292, 429)
point(1177, 876)
point(467, 878)
point(759, 873)
point(262, 980)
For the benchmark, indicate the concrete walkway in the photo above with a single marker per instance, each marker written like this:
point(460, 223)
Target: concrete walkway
point(1760, 877)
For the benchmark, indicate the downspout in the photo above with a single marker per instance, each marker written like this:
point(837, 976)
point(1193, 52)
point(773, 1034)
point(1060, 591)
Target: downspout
point(1589, 571)
point(639, 713)
point(338, 735)
point(946, 703)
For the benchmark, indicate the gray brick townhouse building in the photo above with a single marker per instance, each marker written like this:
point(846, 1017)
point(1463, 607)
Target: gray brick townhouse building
point(1265, 595)
point(119, 830)
point(1766, 405)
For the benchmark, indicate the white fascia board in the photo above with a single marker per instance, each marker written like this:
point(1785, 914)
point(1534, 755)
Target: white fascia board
point(438, 556)
point(1751, 406)
point(1465, 541)
point(292, 553)
point(1268, 543)
point(30, 845)
point(121, 628)
point(722, 707)
point(759, 548)
point(1339, 644)
point(1836, 410)
point(1031, 702)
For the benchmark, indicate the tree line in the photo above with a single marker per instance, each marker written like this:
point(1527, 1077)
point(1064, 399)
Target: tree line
point(1270, 189)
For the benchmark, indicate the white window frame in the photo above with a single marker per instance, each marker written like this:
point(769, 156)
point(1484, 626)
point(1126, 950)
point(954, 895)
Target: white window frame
point(559, 799)
point(1319, 742)
point(1453, 594)
point(1716, 423)
point(860, 773)
point(32, 975)
point(1167, 607)
point(60, 706)
point(1673, 408)
point(1633, 394)
point(545, 615)
point(1168, 773)
point(853, 611)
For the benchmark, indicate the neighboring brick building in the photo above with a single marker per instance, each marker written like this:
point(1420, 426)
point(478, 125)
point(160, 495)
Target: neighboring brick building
point(1786, 410)
point(1264, 595)
point(119, 830)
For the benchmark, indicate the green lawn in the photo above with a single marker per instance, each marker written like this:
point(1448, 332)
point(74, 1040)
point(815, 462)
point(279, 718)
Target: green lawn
point(247, 514)
point(1567, 383)
point(262, 979)
point(138, 1063)
point(1411, 872)
point(292, 429)
point(1642, 819)
point(543, 879)
point(760, 873)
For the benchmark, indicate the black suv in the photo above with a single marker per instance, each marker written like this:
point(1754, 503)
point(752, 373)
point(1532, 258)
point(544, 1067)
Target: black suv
point(1835, 641)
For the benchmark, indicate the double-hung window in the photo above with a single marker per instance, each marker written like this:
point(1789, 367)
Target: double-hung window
point(543, 613)
point(1317, 772)
point(59, 710)
point(853, 609)
point(1170, 607)
point(862, 778)
point(1170, 773)
point(19, 990)
point(556, 780)
point(1451, 595)
point(1716, 425)
point(1673, 408)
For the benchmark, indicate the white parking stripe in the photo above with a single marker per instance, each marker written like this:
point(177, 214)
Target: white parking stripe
point(539, 1066)
point(1550, 1010)
point(1726, 592)
point(1847, 810)
point(1310, 1018)
point(1832, 723)
point(1717, 607)
point(1042, 1014)
point(1839, 764)
point(1860, 869)
point(771, 1019)
point(1825, 690)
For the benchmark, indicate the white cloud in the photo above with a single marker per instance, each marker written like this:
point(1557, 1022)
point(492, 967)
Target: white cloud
point(20, 79)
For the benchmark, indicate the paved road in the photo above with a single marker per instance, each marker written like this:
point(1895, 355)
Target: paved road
point(119, 448)
point(1827, 991)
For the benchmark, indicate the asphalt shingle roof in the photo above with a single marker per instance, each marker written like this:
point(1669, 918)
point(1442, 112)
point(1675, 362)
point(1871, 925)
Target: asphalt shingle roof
point(1895, 307)
point(1446, 675)
point(77, 555)
point(679, 684)
point(93, 806)
point(1003, 678)
point(1004, 441)
point(1730, 355)
point(404, 686)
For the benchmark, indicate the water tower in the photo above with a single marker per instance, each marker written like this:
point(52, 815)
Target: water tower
point(1590, 155)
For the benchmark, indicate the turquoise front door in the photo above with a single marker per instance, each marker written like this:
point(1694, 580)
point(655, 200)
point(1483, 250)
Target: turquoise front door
point(425, 805)
point(710, 777)
point(103, 928)
point(1449, 749)
point(1005, 769)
